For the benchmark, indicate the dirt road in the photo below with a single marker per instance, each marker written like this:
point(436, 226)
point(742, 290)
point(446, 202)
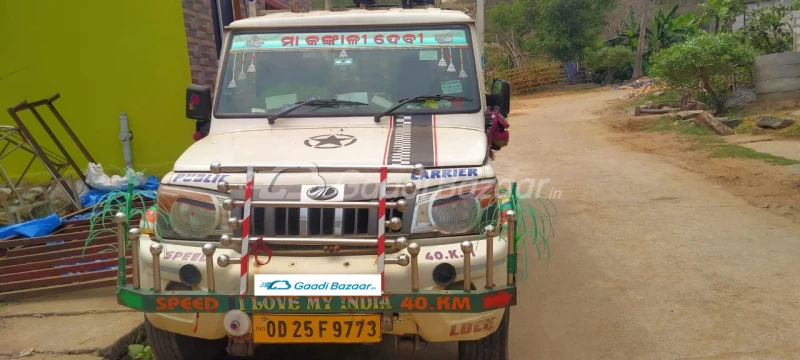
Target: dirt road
point(649, 261)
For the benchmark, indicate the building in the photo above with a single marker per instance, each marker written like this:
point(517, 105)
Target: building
point(109, 57)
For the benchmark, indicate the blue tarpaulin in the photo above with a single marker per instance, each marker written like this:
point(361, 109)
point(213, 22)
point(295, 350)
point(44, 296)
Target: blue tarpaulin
point(33, 228)
point(95, 196)
point(571, 71)
point(45, 226)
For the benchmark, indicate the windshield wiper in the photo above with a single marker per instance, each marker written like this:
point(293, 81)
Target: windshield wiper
point(418, 99)
point(312, 102)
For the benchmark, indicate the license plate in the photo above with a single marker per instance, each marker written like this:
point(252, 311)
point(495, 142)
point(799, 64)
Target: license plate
point(317, 328)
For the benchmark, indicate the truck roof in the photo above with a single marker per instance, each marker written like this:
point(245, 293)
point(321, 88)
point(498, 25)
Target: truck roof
point(354, 17)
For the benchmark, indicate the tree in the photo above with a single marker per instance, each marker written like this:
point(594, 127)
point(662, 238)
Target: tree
point(564, 28)
point(668, 29)
point(722, 12)
point(611, 59)
point(767, 30)
point(629, 33)
point(703, 64)
point(637, 66)
point(510, 24)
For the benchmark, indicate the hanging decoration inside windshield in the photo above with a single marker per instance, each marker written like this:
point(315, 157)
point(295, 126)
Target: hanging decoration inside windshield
point(462, 74)
point(242, 76)
point(252, 67)
point(451, 67)
point(434, 38)
point(232, 84)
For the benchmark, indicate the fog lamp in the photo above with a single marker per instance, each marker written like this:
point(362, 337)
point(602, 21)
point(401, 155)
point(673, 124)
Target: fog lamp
point(189, 275)
point(444, 274)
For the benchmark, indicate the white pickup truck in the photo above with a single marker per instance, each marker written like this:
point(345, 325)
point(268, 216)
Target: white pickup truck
point(343, 195)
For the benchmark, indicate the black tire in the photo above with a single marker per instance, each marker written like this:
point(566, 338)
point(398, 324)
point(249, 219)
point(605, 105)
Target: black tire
point(171, 346)
point(492, 347)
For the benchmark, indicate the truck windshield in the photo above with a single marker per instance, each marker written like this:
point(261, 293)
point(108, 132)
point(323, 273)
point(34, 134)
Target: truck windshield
point(266, 72)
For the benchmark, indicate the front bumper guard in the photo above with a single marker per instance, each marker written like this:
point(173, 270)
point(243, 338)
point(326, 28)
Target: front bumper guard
point(450, 301)
point(155, 300)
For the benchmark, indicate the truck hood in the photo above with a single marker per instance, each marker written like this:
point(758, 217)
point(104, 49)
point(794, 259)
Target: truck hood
point(405, 143)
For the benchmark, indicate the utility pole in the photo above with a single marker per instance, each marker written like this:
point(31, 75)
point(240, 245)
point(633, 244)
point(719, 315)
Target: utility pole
point(479, 23)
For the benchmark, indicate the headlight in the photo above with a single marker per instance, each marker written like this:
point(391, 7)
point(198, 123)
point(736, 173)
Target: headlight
point(186, 214)
point(454, 210)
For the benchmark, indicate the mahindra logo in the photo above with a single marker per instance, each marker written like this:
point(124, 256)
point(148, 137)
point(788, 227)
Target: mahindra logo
point(322, 192)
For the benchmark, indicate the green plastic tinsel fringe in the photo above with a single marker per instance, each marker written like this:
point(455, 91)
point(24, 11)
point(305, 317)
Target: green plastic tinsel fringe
point(104, 211)
point(533, 226)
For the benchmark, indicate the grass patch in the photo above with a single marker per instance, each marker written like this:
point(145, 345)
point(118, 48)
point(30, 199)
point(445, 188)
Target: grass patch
point(781, 109)
point(746, 127)
point(5, 303)
point(704, 139)
point(736, 151)
point(791, 131)
point(668, 95)
point(665, 124)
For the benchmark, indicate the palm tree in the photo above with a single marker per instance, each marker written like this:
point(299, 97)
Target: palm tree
point(630, 32)
point(637, 66)
point(668, 30)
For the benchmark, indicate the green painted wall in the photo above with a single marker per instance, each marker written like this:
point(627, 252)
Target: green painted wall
point(104, 58)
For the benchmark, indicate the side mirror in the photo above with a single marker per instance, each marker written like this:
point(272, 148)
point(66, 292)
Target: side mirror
point(500, 97)
point(198, 103)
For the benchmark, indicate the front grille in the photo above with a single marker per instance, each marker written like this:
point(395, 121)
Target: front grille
point(321, 222)
point(289, 222)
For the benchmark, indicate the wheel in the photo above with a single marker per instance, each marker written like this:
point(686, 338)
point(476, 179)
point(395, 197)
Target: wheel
point(492, 347)
point(171, 346)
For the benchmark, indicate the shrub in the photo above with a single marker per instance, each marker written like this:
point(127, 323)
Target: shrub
point(767, 30)
point(704, 64)
point(611, 59)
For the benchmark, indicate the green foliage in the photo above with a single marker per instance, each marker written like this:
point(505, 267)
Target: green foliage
point(767, 30)
point(665, 30)
point(654, 97)
point(510, 24)
point(723, 11)
point(737, 151)
point(497, 60)
point(139, 351)
point(668, 30)
point(564, 28)
point(513, 18)
point(611, 59)
point(707, 141)
point(630, 32)
point(703, 64)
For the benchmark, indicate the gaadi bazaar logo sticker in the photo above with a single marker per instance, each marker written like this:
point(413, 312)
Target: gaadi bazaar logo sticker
point(318, 285)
